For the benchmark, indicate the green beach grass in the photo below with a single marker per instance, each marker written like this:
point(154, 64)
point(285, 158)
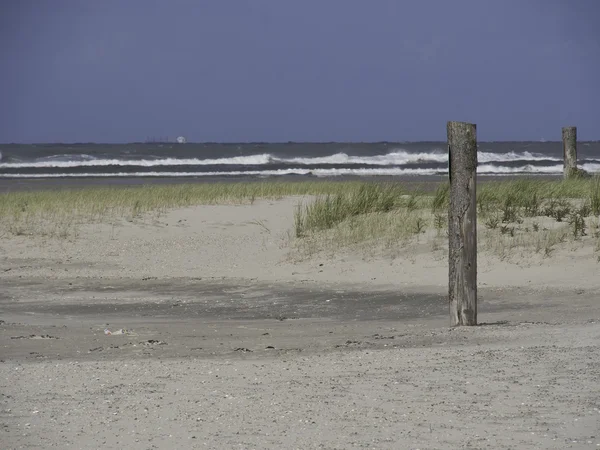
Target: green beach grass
point(515, 216)
point(529, 214)
point(58, 213)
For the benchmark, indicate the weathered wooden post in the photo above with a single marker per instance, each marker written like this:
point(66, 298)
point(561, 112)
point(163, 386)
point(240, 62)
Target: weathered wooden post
point(462, 223)
point(569, 137)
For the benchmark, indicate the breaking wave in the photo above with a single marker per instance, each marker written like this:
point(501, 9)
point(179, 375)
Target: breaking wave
point(485, 169)
point(395, 158)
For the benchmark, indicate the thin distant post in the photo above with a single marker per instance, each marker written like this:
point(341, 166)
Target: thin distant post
point(569, 138)
point(462, 223)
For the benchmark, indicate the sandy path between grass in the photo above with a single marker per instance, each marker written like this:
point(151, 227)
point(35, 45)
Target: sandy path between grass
point(231, 343)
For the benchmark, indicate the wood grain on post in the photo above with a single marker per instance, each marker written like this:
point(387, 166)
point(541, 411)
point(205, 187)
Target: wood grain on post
point(462, 223)
point(569, 137)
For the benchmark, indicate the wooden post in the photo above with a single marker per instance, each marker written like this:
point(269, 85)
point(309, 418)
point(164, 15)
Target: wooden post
point(462, 223)
point(569, 137)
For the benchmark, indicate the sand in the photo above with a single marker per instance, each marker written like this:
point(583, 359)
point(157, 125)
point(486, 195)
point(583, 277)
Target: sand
point(224, 337)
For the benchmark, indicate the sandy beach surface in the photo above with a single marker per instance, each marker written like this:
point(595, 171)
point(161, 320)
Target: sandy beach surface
point(223, 337)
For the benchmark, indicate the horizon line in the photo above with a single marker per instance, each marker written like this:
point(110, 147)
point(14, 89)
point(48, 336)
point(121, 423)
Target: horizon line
point(280, 142)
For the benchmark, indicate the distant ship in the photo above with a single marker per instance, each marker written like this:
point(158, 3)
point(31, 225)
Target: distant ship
point(165, 140)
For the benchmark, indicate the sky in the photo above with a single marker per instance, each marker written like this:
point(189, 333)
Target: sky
point(290, 70)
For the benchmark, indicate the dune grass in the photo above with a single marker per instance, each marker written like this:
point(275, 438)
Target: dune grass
point(527, 215)
point(326, 212)
point(59, 213)
point(526, 193)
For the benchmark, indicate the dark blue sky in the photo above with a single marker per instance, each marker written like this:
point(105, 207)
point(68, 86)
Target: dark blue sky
point(309, 70)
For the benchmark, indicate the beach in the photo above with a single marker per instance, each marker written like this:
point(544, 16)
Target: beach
point(300, 225)
point(217, 326)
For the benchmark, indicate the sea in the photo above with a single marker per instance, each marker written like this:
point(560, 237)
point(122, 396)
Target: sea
point(272, 160)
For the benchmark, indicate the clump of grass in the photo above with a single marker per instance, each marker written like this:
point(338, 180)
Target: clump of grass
point(441, 197)
point(577, 173)
point(530, 193)
point(596, 236)
point(558, 209)
point(492, 222)
point(440, 221)
point(508, 241)
point(420, 225)
point(578, 225)
point(368, 233)
point(532, 204)
point(411, 203)
point(595, 196)
point(509, 209)
point(585, 210)
point(325, 212)
point(485, 202)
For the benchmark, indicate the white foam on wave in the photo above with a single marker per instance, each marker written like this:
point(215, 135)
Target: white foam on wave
point(486, 157)
point(401, 157)
point(555, 169)
point(395, 158)
point(528, 168)
point(67, 157)
point(266, 173)
point(239, 160)
point(486, 169)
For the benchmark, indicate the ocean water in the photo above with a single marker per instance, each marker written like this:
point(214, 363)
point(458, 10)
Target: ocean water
point(272, 160)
